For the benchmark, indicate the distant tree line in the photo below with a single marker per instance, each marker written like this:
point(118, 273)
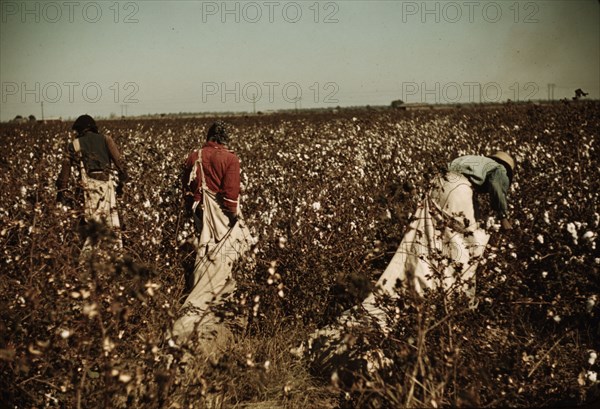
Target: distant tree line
point(20, 119)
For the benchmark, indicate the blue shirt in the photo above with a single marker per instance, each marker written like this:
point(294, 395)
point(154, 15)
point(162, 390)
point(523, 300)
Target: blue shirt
point(488, 175)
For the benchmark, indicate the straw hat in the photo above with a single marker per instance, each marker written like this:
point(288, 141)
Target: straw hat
point(505, 159)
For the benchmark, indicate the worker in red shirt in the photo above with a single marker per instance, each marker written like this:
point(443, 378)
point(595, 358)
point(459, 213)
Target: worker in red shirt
point(221, 169)
point(211, 185)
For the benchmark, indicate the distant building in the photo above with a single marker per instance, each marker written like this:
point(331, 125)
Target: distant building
point(51, 120)
point(417, 105)
point(398, 104)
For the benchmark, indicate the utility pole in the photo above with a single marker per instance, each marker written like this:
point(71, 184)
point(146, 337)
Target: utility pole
point(551, 91)
point(42, 110)
point(296, 102)
point(254, 103)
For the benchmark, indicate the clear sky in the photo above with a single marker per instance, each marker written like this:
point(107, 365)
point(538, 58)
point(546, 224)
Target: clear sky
point(138, 57)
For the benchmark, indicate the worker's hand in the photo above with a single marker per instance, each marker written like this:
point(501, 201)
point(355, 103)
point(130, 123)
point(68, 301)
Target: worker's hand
point(232, 220)
point(60, 198)
point(119, 189)
point(505, 225)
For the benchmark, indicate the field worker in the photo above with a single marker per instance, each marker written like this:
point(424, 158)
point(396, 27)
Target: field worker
point(94, 154)
point(441, 248)
point(222, 176)
point(444, 243)
point(491, 175)
point(211, 182)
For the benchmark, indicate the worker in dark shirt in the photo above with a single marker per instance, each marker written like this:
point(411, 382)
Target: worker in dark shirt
point(94, 154)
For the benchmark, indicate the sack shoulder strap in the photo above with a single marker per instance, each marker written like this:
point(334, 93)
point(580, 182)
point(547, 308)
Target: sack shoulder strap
point(199, 161)
point(77, 149)
point(194, 170)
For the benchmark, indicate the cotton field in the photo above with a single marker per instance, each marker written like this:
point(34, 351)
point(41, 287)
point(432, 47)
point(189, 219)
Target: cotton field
point(328, 196)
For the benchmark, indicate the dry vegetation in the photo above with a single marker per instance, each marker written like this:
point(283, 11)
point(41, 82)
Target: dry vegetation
point(328, 196)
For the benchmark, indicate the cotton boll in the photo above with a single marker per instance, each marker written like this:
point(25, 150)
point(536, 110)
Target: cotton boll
point(124, 378)
point(589, 235)
point(591, 302)
point(573, 231)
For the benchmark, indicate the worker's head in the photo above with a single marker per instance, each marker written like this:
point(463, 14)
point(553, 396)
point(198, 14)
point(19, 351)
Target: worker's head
point(218, 133)
point(507, 161)
point(83, 124)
